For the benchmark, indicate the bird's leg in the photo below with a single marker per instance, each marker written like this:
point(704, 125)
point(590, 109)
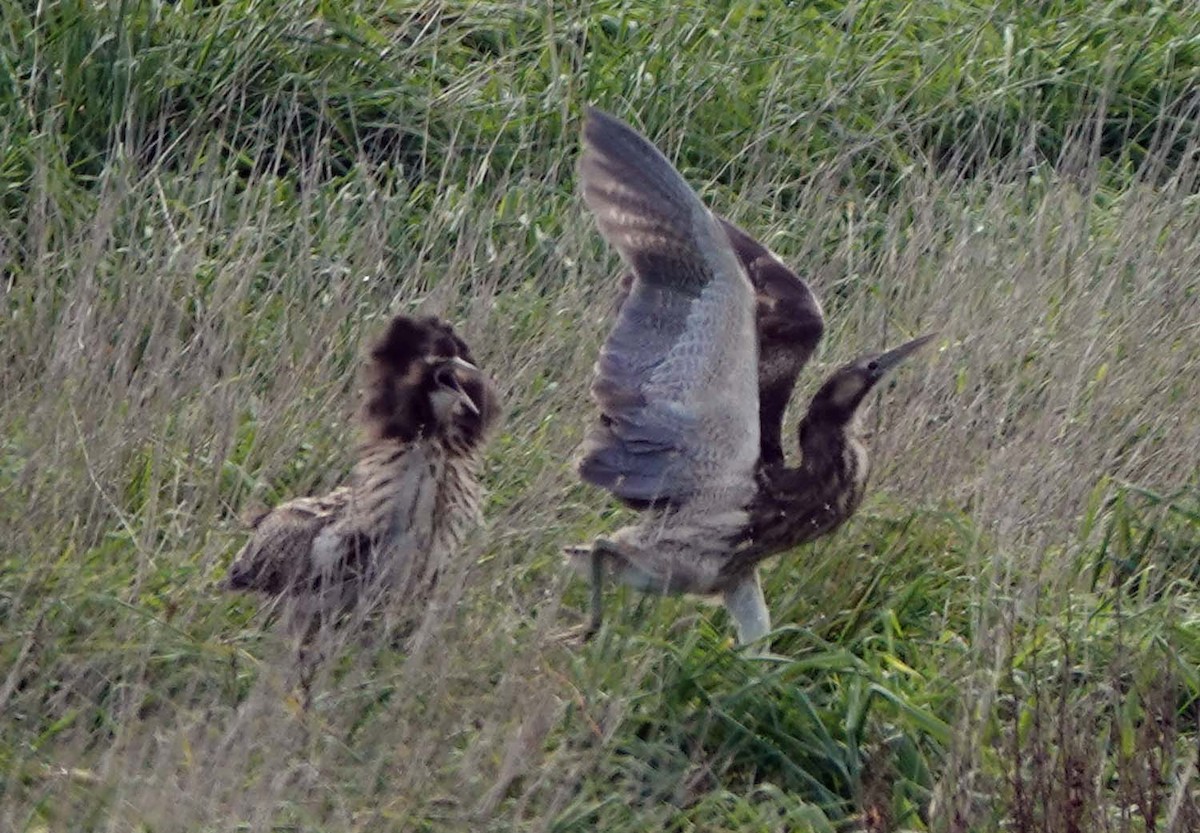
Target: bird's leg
point(308, 658)
point(309, 655)
point(595, 555)
point(600, 548)
point(597, 615)
point(748, 608)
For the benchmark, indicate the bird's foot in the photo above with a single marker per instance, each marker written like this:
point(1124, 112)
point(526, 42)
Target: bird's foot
point(579, 556)
point(574, 637)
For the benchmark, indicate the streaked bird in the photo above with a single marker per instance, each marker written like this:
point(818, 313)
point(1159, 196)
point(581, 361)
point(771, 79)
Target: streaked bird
point(413, 494)
point(692, 383)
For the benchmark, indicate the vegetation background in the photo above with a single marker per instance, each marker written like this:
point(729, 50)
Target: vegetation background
point(210, 207)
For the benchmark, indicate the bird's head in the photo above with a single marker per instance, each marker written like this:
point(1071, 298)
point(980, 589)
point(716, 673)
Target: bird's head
point(424, 382)
point(838, 400)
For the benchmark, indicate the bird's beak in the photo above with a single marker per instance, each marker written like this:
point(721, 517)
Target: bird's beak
point(893, 357)
point(452, 381)
point(462, 364)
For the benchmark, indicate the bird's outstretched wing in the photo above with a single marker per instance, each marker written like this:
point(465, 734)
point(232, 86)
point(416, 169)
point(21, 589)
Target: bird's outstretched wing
point(677, 378)
point(790, 325)
point(789, 322)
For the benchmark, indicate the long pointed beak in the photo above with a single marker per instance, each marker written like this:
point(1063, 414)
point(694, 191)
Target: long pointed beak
point(886, 361)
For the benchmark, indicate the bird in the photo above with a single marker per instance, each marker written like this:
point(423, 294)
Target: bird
point(711, 333)
point(789, 323)
point(412, 495)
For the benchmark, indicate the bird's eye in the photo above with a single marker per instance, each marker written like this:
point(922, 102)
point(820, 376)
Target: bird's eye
point(872, 365)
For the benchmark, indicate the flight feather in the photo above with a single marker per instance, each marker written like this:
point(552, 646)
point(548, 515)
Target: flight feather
point(676, 378)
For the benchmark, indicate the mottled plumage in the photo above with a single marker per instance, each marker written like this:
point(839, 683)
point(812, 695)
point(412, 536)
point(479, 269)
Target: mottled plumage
point(789, 326)
point(411, 497)
point(692, 383)
point(795, 505)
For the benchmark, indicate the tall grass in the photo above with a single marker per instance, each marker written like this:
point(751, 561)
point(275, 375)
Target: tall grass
point(210, 207)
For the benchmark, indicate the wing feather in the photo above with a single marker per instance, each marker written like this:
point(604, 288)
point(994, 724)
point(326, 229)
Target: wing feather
point(789, 324)
point(278, 555)
point(676, 380)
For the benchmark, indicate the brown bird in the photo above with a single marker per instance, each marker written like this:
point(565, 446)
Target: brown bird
point(412, 495)
point(692, 383)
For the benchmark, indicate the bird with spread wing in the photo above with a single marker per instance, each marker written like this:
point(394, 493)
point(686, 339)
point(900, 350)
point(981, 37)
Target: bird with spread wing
point(692, 384)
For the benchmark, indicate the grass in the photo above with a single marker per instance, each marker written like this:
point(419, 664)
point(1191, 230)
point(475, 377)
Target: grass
point(209, 208)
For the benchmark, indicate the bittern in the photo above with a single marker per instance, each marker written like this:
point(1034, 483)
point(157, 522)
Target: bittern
point(412, 495)
point(692, 383)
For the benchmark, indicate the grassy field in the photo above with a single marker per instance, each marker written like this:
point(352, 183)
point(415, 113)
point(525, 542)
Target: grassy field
point(209, 211)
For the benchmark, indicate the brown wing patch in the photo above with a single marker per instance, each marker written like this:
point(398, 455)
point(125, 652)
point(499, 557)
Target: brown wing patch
point(790, 325)
point(277, 556)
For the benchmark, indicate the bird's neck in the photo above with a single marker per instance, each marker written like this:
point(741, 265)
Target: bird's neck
point(795, 505)
point(830, 446)
point(801, 503)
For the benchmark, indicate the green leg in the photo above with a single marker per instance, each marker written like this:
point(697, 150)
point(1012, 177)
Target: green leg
point(595, 554)
point(597, 617)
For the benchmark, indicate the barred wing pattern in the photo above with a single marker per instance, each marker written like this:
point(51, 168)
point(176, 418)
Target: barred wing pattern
point(676, 381)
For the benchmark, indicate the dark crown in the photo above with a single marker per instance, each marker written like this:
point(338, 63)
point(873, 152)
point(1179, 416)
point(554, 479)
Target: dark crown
point(401, 376)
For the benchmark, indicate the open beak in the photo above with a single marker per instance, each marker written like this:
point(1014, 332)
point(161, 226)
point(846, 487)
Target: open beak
point(451, 381)
point(886, 361)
